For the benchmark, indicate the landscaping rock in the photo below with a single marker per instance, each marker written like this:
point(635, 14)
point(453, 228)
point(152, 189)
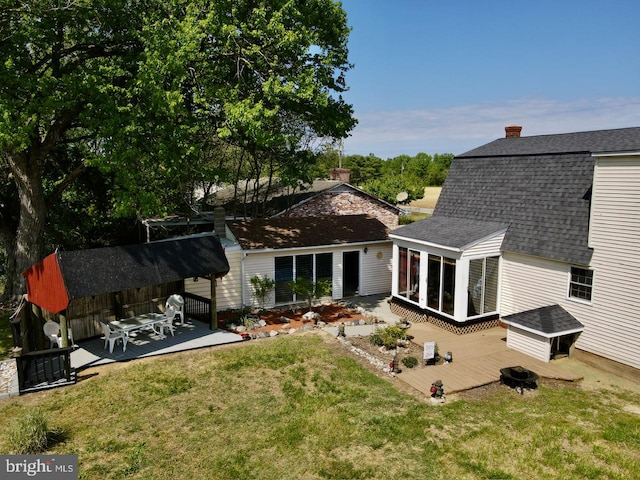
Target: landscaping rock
point(311, 316)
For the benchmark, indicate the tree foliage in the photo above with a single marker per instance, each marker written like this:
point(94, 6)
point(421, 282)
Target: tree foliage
point(157, 96)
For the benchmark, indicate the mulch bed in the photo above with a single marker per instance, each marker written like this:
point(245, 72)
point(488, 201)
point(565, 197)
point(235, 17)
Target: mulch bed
point(332, 314)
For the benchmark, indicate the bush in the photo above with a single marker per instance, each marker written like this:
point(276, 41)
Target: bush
point(29, 433)
point(409, 362)
point(388, 336)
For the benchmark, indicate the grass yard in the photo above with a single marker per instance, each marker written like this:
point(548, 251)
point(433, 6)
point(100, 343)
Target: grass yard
point(430, 198)
point(301, 407)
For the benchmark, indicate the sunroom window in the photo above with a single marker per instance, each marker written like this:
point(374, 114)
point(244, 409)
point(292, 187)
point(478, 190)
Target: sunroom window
point(441, 284)
point(483, 286)
point(581, 284)
point(409, 274)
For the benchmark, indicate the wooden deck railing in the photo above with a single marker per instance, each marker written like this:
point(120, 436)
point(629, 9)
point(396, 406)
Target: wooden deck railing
point(197, 307)
point(45, 369)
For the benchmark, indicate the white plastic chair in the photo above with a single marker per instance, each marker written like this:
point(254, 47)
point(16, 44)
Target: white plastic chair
point(52, 332)
point(177, 302)
point(170, 314)
point(111, 337)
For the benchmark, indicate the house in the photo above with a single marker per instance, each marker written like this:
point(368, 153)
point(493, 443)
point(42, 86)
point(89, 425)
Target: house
point(335, 196)
point(541, 233)
point(272, 199)
point(352, 252)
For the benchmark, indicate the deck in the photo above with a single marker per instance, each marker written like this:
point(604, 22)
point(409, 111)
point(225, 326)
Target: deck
point(477, 360)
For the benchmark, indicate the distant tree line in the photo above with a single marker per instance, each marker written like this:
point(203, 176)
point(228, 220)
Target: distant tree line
point(387, 178)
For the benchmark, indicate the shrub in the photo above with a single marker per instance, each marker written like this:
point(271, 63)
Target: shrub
point(29, 433)
point(262, 287)
point(388, 336)
point(410, 362)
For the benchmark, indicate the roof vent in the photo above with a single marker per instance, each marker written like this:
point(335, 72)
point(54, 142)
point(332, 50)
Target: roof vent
point(513, 131)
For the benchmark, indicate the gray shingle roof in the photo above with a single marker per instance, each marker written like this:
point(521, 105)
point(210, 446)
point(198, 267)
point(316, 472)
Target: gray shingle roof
point(112, 269)
point(449, 231)
point(540, 186)
point(551, 321)
point(544, 199)
point(598, 141)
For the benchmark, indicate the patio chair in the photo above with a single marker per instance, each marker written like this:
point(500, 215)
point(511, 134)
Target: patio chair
point(112, 336)
point(177, 302)
point(52, 332)
point(170, 314)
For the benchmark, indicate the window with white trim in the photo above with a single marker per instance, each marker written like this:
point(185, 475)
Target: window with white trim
point(409, 274)
point(581, 284)
point(483, 286)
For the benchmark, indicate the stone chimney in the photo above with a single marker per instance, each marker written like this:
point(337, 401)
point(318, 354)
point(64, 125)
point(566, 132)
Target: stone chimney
point(340, 174)
point(513, 131)
point(219, 221)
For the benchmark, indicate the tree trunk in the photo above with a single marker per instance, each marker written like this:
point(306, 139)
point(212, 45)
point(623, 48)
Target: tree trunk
point(29, 239)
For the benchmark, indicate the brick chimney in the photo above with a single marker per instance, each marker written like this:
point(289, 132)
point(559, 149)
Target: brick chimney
point(513, 131)
point(340, 174)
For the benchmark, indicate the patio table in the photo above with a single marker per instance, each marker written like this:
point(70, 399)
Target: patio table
point(144, 321)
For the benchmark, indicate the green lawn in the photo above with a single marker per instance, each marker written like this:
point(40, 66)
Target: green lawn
point(300, 408)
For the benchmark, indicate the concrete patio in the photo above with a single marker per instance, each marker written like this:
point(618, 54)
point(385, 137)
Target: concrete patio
point(193, 334)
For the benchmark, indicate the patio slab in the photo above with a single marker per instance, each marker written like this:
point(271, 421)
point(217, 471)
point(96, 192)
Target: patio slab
point(193, 334)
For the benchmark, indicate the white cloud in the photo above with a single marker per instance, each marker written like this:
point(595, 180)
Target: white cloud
point(458, 129)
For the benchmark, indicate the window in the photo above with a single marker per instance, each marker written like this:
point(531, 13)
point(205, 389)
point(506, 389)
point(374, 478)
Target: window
point(402, 271)
point(581, 284)
point(409, 274)
point(315, 267)
point(284, 274)
point(482, 289)
point(441, 284)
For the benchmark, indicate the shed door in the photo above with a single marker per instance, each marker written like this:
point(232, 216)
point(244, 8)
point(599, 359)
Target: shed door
point(350, 273)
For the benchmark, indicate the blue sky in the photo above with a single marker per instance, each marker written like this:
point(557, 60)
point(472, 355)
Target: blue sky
point(447, 76)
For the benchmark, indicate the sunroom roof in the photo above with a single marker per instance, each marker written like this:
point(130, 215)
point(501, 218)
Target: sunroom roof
point(449, 232)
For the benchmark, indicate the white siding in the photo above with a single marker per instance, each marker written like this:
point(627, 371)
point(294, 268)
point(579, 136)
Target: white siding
point(530, 282)
point(488, 248)
point(375, 272)
point(263, 265)
point(375, 268)
point(228, 288)
point(534, 345)
point(612, 329)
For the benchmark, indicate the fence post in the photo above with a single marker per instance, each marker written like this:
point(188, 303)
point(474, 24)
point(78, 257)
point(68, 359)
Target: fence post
point(214, 304)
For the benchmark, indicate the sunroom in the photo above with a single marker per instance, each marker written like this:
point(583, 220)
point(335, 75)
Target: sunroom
point(447, 270)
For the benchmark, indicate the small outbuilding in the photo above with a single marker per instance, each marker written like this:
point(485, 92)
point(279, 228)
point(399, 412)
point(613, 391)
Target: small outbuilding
point(544, 333)
point(85, 287)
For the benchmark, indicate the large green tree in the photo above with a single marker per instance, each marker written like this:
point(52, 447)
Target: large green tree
point(142, 90)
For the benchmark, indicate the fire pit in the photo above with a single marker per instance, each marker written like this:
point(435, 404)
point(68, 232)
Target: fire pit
point(518, 378)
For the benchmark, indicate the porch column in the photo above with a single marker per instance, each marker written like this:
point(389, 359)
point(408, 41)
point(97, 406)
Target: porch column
point(64, 329)
point(214, 304)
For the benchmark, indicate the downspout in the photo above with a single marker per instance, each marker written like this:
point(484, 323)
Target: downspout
point(242, 289)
